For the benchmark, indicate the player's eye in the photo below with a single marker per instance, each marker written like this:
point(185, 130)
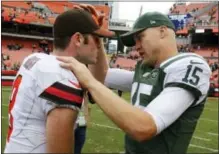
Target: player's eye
point(138, 37)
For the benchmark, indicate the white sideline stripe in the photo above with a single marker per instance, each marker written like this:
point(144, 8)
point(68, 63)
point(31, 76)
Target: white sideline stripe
point(205, 119)
point(203, 139)
point(209, 105)
point(201, 147)
point(214, 110)
point(196, 137)
point(207, 108)
point(214, 134)
point(4, 105)
point(105, 126)
point(192, 145)
point(99, 110)
point(209, 133)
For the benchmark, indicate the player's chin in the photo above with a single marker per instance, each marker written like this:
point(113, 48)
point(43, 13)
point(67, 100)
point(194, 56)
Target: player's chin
point(92, 61)
point(144, 60)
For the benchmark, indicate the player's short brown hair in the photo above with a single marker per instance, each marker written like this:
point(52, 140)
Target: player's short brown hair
point(76, 20)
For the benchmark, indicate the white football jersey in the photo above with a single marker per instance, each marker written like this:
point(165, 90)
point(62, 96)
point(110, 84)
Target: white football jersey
point(188, 71)
point(40, 86)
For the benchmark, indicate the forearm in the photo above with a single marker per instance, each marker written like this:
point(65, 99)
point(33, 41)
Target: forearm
point(119, 79)
point(99, 70)
point(133, 121)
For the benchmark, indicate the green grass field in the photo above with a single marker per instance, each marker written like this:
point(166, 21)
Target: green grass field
point(104, 137)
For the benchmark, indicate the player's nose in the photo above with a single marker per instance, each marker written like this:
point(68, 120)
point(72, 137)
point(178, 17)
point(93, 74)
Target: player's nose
point(138, 46)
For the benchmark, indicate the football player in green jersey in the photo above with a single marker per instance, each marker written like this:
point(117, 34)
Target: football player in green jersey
point(168, 89)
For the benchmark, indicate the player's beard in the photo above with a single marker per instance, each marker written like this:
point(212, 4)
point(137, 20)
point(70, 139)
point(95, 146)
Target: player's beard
point(87, 59)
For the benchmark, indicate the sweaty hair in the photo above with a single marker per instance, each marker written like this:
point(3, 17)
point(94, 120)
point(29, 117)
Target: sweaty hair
point(85, 39)
point(62, 43)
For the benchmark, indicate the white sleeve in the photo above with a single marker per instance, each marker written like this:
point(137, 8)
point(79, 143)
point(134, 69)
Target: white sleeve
point(167, 107)
point(119, 79)
point(192, 74)
point(58, 87)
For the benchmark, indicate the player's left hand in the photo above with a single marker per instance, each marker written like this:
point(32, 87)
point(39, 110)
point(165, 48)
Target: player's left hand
point(81, 72)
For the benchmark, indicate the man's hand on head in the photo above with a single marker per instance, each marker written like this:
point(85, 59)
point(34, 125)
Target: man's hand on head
point(91, 9)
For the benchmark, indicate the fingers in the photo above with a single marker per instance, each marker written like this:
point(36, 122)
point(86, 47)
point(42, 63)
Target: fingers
point(66, 59)
point(91, 9)
point(87, 7)
point(68, 62)
point(77, 7)
point(66, 66)
point(101, 19)
point(81, 8)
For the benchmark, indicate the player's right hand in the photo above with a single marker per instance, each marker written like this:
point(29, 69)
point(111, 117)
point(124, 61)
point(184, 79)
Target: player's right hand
point(81, 72)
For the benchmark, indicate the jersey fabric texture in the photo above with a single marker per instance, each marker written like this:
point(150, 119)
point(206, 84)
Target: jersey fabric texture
point(187, 71)
point(40, 86)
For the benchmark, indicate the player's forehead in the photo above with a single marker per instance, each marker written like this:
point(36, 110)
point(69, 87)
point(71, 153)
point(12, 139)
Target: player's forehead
point(147, 31)
point(139, 35)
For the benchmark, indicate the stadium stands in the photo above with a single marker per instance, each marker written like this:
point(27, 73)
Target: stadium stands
point(182, 8)
point(17, 4)
point(53, 6)
point(17, 56)
point(22, 12)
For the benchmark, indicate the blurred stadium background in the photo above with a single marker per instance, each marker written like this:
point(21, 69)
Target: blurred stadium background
point(27, 28)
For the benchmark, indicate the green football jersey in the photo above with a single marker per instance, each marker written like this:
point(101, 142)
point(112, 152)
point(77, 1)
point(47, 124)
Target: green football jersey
point(187, 71)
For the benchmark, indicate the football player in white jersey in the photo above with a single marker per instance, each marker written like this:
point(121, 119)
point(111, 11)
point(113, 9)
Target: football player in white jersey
point(45, 98)
point(168, 90)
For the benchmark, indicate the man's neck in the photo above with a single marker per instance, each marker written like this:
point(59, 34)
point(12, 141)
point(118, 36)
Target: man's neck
point(59, 53)
point(165, 55)
point(65, 53)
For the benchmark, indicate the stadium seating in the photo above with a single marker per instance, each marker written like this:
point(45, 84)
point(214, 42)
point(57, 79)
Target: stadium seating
point(53, 6)
point(125, 63)
point(16, 4)
point(184, 9)
point(23, 13)
point(51, 20)
point(18, 55)
point(215, 16)
point(193, 6)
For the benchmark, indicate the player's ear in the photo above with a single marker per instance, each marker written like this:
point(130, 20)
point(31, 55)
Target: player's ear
point(163, 32)
point(77, 38)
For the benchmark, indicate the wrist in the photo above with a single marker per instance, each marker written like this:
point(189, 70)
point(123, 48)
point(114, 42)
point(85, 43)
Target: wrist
point(101, 46)
point(92, 85)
